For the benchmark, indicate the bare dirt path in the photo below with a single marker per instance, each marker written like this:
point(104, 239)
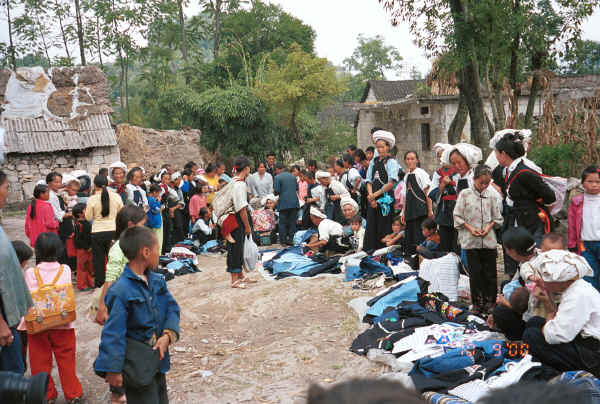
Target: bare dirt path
point(265, 344)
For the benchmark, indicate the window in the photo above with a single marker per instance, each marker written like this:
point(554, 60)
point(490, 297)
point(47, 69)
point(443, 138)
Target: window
point(425, 137)
point(424, 110)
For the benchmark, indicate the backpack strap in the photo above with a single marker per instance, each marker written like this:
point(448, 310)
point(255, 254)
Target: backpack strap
point(38, 277)
point(519, 173)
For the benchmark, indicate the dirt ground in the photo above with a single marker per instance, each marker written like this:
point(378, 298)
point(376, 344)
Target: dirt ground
point(266, 344)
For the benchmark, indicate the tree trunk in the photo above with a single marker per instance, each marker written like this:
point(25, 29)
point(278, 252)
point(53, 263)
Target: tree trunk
point(98, 42)
point(121, 79)
point(537, 62)
point(79, 21)
point(62, 30)
point(11, 50)
point(459, 121)
point(184, 50)
point(127, 87)
point(514, 69)
point(470, 87)
point(293, 125)
point(218, 5)
point(491, 125)
point(43, 41)
point(497, 88)
point(470, 82)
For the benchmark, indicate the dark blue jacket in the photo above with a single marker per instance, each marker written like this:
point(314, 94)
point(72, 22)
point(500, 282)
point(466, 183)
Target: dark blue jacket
point(286, 186)
point(137, 311)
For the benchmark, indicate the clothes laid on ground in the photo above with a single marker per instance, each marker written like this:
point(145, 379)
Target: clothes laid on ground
point(292, 262)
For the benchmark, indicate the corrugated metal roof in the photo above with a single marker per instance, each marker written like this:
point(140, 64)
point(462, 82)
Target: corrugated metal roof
point(388, 91)
point(38, 135)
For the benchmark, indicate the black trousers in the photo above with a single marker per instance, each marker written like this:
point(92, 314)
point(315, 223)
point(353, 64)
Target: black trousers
point(287, 225)
point(448, 239)
point(378, 226)
point(482, 276)
point(413, 234)
point(156, 393)
point(579, 354)
point(101, 243)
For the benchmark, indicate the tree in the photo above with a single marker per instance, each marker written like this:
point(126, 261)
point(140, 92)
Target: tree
point(233, 121)
point(10, 50)
point(301, 80)
point(583, 57)
point(372, 58)
point(479, 31)
point(80, 32)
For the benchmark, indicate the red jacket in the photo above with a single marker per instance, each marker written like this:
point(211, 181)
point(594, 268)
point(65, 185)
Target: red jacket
point(576, 222)
point(43, 222)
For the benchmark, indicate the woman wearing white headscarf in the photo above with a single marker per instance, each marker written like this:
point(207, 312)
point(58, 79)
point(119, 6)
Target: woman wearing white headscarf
point(117, 173)
point(569, 337)
point(334, 191)
point(382, 176)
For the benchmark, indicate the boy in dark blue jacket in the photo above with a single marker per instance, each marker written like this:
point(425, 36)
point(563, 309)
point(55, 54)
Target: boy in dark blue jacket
point(154, 213)
point(141, 308)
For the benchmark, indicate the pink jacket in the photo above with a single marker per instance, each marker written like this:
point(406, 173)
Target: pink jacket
point(576, 222)
point(48, 271)
point(43, 222)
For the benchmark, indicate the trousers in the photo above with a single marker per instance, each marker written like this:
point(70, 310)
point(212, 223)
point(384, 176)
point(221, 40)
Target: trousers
point(85, 269)
point(579, 354)
point(482, 276)
point(101, 243)
point(591, 254)
point(156, 393)
point(61, 344)
point(287, 225)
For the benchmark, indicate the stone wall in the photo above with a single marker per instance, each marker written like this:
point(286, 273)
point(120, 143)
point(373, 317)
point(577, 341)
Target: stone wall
point(25, 170)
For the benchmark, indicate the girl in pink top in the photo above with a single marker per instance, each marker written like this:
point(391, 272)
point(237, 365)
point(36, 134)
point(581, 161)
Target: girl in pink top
point(40, 215)
point(197, 202)
point(59, 341)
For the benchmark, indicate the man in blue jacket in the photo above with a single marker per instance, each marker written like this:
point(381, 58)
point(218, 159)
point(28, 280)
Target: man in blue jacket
point(286, 187)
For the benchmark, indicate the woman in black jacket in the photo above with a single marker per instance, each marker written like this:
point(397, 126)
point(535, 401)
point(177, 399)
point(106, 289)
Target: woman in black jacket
point(527, 196)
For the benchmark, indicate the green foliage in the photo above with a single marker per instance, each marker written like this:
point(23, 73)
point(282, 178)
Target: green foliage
point(561, 160)
point(233, 121)
point(302, 80)
point(372, 57)
point(582, 58)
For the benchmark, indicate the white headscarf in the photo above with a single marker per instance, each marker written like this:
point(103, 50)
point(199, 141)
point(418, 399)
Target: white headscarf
point(175, 176)
point(117, 164)
point(440, 147)
point(158, 175)
point(314, 211)
point(322, 174)
point(386, 136)
point(561, 266)
point(68, 178)
point(526, 133)
point(349, 201)
point(470, 152)
point(269, 197)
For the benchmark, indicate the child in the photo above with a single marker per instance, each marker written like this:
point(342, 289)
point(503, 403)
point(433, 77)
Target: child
point(66, 229)
point(265, 220)
point(417, 206)
point(153, 321)
point(399, 193)
point(59, 341)
point(24, 254)
point(370, 153)
point(584, 222)
point(40, 215)
point(397, 233)
point(154, 212)
point(358, 233)
point(508, 314)
point(204, 228)
point(83, 245)
point(197, 202)
point(429, 247)
point(479, 207)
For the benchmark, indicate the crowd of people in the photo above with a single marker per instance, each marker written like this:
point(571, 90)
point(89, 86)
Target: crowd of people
point(111, 228)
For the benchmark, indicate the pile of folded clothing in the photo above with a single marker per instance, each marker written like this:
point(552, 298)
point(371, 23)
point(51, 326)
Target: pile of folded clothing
point(172, 267)
point(292, 261)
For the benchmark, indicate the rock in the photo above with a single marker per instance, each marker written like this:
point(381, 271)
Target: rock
point(204, 341)
point(22, 167)
point(204, 361)
point(61, 160)
point(28, 189)
point(201, 373)
point(180, 349)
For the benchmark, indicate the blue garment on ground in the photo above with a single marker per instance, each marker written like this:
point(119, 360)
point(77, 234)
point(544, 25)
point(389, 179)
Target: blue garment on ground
point(303, 235)
point(290, 260)
point(510, 287)
point(209, 244)
point(406, 292)
point(457, 358)
point(368, 266)
point(589, 385)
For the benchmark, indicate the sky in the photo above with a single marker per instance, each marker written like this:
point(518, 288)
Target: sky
point(337, 24)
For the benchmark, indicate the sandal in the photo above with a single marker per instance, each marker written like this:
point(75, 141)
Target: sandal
point(239, 284)
point(245, 279)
